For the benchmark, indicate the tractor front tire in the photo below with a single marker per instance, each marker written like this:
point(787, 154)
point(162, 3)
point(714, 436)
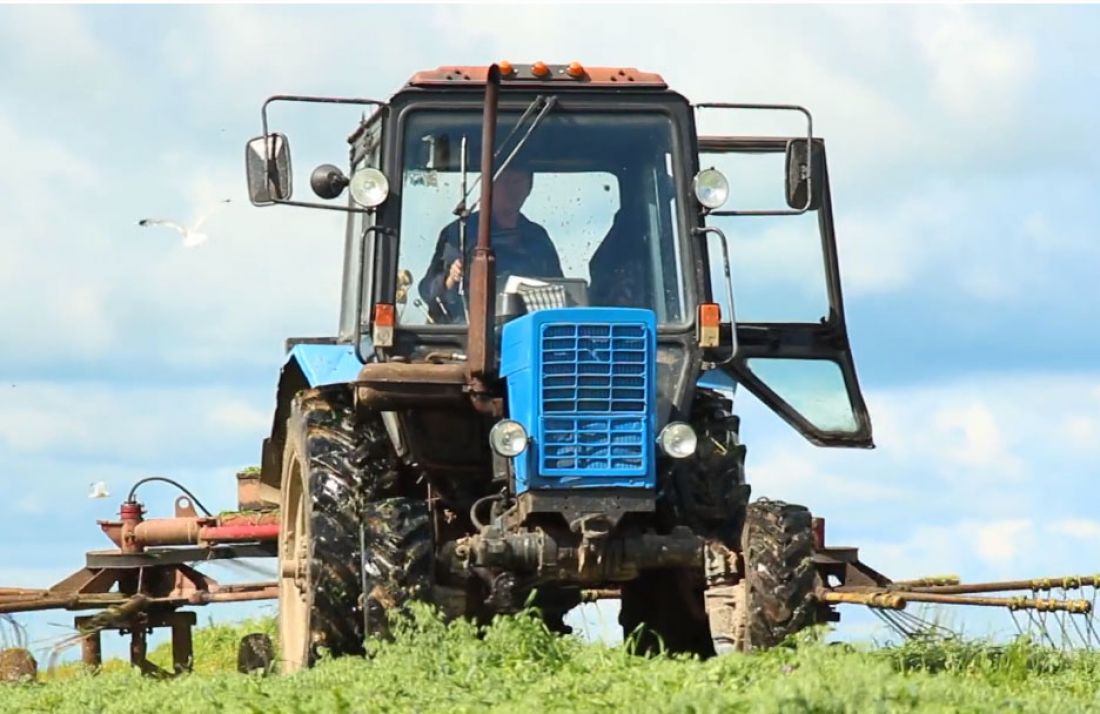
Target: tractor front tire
point(335, 466)
point(774, 597)
point(708, 490)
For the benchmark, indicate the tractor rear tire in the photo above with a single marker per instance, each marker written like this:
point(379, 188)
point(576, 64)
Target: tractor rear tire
point(399, 560)
point(774, 597)
point(334, 464)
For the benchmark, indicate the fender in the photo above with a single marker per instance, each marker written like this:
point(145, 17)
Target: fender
point(308, 365)
point(325, 364)
point(720, 381)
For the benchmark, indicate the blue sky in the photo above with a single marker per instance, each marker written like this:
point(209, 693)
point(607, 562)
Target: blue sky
point(965, 179)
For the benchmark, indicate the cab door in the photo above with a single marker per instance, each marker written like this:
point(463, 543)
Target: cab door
point(792, 349)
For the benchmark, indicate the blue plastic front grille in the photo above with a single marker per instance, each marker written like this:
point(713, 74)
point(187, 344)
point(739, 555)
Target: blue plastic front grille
point(594, 398)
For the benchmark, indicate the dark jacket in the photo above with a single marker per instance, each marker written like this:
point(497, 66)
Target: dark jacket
point(525, 250)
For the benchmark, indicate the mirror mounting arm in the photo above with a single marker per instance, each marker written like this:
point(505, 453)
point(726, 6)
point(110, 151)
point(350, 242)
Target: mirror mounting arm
point(702, 233)
point(797, 150)
point(360, 324)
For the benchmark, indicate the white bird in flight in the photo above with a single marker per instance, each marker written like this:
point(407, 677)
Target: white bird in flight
point(192, 235)
point(98, 490)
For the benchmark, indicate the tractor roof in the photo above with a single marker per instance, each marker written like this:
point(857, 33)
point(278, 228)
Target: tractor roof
point(540, 74)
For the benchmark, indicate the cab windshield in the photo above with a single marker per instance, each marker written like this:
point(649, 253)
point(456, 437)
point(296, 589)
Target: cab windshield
point(585, 214)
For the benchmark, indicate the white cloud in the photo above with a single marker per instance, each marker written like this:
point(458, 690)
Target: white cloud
point(973, 550)
point(979, 73)
point(1083, 431)
point(55, 44)
point(240, 417)
point(1001, 541)
point(129, 424)
point(1082, 528)
point(966, 476)
point(800, 478)
point(971, 436)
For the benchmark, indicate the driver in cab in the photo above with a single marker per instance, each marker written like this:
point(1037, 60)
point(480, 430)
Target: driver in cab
point(521, 247)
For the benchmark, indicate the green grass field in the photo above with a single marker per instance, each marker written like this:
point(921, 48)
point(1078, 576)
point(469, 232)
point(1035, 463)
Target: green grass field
point(517, 666)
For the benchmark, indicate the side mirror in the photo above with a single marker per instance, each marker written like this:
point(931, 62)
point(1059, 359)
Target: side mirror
point(805, 175)
point(267, 163)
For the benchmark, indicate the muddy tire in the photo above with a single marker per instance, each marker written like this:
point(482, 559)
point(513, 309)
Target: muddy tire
point(334, 464)
point(707, 493)
point(708, 490)
point(774, 598)
point(399, 559)
point(255, 654)
point(668, 605)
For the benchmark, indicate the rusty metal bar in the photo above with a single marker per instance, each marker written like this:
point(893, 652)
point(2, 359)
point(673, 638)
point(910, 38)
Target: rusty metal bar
point(20, 592)
point(138, 647)
point(1067, 583)
point(1011, 603)
point(192, 531)
point(91, 644)
point(202, 598)
point(63, 602)
point(223, 534)
point(182, 649)
point(879, 600)
point(932, 581)
point(89, 601)
point(479, 348)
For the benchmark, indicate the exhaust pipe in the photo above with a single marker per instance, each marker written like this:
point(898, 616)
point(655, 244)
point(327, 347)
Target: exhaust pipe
point(480, 344)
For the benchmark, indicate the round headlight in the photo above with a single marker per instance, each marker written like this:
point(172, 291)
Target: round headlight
point(711, 188)
point(508, 438)
point(677, 440)
point(369, 187)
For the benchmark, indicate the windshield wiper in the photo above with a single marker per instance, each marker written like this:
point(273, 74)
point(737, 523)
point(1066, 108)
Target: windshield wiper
point(540, 103)
point(543, 105)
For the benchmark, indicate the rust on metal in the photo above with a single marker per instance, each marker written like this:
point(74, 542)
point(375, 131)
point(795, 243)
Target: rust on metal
point(239, 532)
point(388, 386)
point(94, 601)
point(249, 490)
point(932, 581)
point(1069, 582)
point(379, 374)
point(865, 596)
point(817, 525)
point(480, 339)
point(134, 535)
point(138, 624)
point(879, 600)
point(129, 517)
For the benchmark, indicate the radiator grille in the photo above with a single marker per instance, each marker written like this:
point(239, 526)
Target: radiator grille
point(594, 398)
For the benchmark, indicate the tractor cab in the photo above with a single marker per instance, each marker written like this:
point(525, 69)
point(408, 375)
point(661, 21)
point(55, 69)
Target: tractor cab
point(604, 188)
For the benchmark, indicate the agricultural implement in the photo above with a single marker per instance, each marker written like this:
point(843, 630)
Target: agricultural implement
point(537, 406)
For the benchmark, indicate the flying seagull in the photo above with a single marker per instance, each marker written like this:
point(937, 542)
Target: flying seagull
point(98, 490)
point(192, 235)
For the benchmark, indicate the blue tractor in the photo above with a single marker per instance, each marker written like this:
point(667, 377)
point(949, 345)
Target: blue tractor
point(539, 406)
